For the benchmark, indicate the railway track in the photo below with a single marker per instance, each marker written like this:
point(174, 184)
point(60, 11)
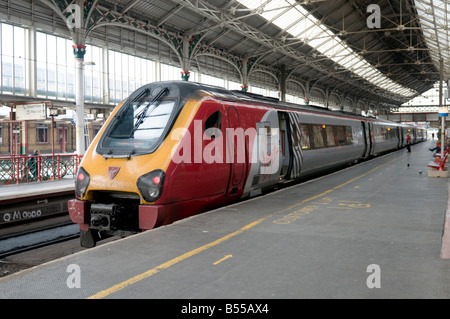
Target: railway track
point(28, 223)
point(27, 245)
point(34, 254)
point(49, 239)
point(21, 214)
point(30, 240)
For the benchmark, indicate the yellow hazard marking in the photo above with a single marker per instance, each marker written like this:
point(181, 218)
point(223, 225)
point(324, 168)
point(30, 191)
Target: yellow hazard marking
point(223, 259)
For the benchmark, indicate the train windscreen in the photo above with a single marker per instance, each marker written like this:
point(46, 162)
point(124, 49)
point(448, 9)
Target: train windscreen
point(139, 125)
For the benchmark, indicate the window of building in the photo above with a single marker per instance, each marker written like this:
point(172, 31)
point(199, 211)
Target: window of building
point(41, 133)
point(169, 72)
point(96, 130)
point(65, 75)
point(233, 85)
point(13, 59)
point(93, 74)
point(212, 80)
point(128, 73)
point(55, 67)
point(60, 134)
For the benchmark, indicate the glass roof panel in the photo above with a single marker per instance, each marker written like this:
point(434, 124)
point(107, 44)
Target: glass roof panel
point(434, 20)
point(309, 30)
point(286, 19)
point(295, 30)
point(271, 10)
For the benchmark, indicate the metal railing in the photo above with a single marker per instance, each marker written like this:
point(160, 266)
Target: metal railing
point(24, 169)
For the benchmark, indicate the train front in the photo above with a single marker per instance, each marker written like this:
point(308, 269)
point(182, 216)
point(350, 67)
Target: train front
point(123, 171)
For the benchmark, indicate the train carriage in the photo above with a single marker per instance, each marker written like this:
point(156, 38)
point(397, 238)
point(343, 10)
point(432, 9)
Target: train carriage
point(386, 136)
point(175, 149)
point(325, 141)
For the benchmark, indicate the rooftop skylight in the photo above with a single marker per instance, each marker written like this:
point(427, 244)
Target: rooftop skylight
point(301, 25)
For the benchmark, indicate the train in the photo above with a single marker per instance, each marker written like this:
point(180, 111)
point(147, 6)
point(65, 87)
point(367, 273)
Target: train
point(175, 149)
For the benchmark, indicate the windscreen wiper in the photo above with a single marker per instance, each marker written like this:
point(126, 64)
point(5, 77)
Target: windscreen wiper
point(141, 115)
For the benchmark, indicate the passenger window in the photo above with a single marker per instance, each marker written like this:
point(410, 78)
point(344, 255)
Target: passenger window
point(213, 125)
point(317, 136)
point(305, 142)
point(331, 141)
point(269, 139)
point(341, 135)
point(349, 135)
point(295, 138)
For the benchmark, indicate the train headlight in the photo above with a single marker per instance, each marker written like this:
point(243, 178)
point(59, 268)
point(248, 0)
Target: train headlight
point(151, 185)
point(82, 182)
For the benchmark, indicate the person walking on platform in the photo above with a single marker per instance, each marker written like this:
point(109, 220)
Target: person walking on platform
point(33, 164)
point(408, 143)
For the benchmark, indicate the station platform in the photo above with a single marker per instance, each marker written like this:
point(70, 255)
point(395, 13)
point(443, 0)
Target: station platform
point(373, 230)
point(25, 190)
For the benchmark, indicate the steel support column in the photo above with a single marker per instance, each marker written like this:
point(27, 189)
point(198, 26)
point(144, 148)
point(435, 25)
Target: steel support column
point(79, 52)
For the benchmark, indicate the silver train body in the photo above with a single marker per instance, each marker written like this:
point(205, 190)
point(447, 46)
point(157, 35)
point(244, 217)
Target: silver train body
point(369, 137)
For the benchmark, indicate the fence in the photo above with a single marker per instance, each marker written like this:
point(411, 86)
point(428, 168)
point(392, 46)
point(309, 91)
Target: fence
point(24, 169)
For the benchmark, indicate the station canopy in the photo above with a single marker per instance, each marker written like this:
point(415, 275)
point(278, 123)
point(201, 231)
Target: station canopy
point(327, 44)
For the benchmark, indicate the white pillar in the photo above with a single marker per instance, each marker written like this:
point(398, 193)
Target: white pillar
point(31, 57)
point(79, 52)
point(105, 77)
point(441, 80)
point(80, 107)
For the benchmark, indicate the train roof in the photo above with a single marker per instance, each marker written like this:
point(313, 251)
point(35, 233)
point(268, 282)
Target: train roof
point(225, 94)
point(265, 100)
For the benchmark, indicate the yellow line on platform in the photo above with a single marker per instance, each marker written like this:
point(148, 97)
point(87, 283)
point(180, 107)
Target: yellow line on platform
point(172, 262)
point(157, 269)
point(223, 259)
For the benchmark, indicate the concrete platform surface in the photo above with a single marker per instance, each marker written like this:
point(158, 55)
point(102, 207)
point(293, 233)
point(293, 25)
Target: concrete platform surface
point(373, 230)
point(16, 191)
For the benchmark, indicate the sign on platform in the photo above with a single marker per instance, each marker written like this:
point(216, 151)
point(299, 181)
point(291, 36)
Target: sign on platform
point(36, 111)
point(443, 111)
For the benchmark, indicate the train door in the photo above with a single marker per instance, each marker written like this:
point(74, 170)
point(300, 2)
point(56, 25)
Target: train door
point(199, 160)
point(286, 160)
point(367, 143)
point(372, 138)
point(295, 132)
point(211, 166)
point(368, 135)
point(236, 151)
point(265, 162)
